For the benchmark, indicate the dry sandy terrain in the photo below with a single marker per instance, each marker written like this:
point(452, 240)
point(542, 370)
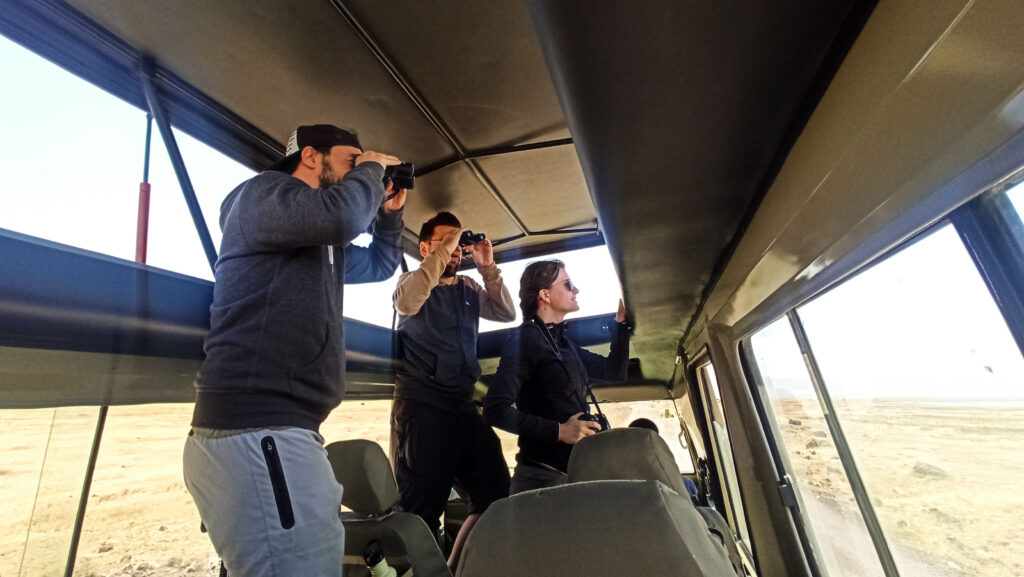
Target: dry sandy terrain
point(944, 479)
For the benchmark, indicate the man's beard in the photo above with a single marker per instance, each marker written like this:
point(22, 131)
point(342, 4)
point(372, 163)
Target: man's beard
point(450, 270)
point(327, 174)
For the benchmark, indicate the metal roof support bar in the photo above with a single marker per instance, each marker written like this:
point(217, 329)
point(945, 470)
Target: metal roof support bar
point(489, 152)
point(433, 117)
point(993, 234)
point(146, 68)
point(83, 498)
point(860, 493)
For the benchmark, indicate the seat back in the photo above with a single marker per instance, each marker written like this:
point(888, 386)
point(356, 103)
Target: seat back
point(371, 493)
point(598, 529)
point(642, 454)
point(365, 472)
point(637, 454)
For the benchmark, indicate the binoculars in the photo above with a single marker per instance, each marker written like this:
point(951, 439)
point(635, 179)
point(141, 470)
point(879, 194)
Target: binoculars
point(403, 175)
point(468, 238)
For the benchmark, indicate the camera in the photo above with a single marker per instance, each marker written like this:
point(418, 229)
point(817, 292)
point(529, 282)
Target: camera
point(601, 420)
point(468, 238)
point(403, 175)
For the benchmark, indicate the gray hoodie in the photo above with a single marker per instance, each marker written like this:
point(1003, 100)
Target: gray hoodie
point(275, 352)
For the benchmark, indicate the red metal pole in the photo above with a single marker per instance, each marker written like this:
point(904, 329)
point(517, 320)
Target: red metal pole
point(142, 231)
point(142, 228)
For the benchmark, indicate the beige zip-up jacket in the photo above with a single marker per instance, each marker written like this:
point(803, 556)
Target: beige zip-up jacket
point(414, 288)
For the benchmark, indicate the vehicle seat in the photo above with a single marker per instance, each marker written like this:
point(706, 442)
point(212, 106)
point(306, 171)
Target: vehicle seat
point(638, 454)
point(597, 529)
point(642, 454)
point(371, 493)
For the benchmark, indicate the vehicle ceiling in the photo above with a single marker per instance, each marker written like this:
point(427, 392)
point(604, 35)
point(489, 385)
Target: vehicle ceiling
point(680, 113)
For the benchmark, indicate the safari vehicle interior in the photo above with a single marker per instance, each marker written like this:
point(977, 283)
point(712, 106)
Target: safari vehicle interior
point(746, 165)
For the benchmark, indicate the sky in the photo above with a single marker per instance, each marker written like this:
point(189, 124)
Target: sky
point(918, 324)
point(931, 331)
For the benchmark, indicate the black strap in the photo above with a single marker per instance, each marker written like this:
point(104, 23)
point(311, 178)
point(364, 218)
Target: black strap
point(550, 340)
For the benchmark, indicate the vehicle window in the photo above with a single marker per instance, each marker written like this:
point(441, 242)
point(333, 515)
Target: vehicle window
point(88, 150)
point(360, 419)
point(1016, 196)
point(839, 537)
point(590, 268)
point(140, 518)
point(173, 241)
point(711, 396)
point(663, 414)
point(929, 387)
point(45, 457)
point(591, 271)
point(372, 302)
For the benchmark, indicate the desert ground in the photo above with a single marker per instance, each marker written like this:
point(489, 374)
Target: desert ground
point(945, 480)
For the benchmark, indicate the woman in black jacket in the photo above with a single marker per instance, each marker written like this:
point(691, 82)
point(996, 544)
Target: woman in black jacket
point(541, 387)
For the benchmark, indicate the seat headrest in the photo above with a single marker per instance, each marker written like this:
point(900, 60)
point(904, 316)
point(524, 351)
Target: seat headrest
point(365, 472)
point(639, 454)
point(598, 529)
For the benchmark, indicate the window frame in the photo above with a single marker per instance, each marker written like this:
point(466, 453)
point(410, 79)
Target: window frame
point(700, 393)
point(992, 232)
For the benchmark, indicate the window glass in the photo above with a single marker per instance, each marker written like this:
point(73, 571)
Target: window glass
point(72, 160)
point(663, 414)
point(360, 419)
point(836, 528)
point(929, 387)
point(712, 397)
point(27, 432)
point(140, 518)
point(45, 457)
point(1016, 196)
point(591, 271)
point(173, 240)
point(372, 302)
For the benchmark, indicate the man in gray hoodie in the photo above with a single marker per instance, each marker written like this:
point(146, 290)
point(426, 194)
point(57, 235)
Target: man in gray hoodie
point(254, 461)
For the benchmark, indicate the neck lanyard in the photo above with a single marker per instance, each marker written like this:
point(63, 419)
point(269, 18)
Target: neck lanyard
point(550, 340)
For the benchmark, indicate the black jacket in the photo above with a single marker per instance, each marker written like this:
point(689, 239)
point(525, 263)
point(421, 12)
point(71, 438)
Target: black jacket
point(547, 390)
point(439, 365)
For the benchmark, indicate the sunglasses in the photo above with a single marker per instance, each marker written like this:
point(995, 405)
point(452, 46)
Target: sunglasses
point(568, 285)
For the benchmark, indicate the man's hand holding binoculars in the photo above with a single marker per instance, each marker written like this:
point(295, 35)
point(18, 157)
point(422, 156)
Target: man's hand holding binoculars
point(482, 253)
point(394, 201)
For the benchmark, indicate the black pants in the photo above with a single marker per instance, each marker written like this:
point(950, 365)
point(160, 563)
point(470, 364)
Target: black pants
point(434, 450)
point(529, 477)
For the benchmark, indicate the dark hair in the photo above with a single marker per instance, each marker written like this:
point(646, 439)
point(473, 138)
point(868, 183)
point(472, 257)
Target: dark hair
point(537, 277)
point(443, 218)
point(292, 164)
point(643, 423)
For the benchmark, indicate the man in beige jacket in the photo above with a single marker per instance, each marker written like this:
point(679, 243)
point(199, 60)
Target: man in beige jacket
point(438, 437)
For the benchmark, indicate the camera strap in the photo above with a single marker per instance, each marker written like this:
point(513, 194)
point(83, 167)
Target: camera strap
point(550, 340)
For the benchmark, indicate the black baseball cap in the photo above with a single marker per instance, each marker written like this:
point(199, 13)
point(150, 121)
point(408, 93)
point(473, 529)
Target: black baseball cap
point(316, 135)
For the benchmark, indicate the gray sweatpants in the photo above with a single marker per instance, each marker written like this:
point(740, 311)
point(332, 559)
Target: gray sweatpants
point(269, 501)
